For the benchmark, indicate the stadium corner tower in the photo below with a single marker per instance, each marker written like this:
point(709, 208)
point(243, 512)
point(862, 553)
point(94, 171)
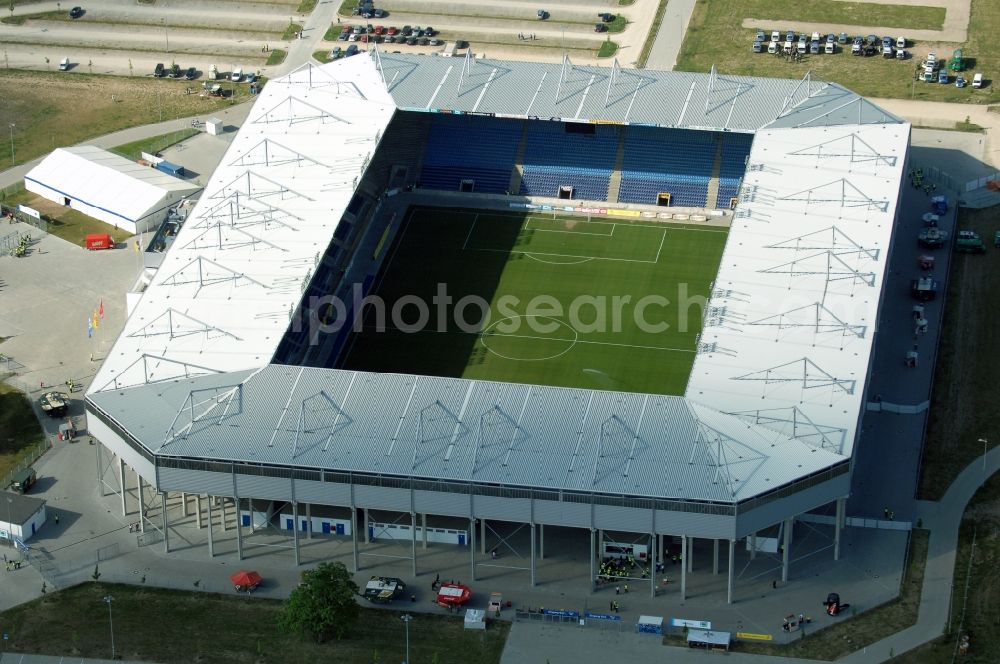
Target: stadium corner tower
point(216, 386)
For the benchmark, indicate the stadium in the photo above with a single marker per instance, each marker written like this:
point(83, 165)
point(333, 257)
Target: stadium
point(424, 291)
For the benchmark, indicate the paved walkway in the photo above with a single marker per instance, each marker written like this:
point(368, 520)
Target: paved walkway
point(667, 45)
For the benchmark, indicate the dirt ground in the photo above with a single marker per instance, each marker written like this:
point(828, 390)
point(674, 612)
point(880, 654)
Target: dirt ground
point(963, 404)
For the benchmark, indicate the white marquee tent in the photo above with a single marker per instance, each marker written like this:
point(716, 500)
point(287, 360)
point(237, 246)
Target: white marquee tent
point(107, 186)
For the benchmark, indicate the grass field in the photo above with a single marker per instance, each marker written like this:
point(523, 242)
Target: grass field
point(154, 144)
point(51, 109)
point(169, 626)
point(975, 588)
point(572, 302)
point(716, 36)
point(19, 429)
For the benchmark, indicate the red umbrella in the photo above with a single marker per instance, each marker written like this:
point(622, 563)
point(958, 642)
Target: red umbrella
point(246, 579)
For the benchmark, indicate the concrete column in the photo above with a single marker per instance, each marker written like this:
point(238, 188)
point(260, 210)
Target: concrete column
point(211, 535)
point(785, 548)
point(600, 544)
point(482, 536)
point(715, 556)
point(653, 539)
point(309, 521)
point(593, 568)
point(121, 484)
point(163, 518)
point(198, 509)
point(541, 541)
point(239, 528)
point(142, 504)
point(100, 478)
point(367, 538)
point(659, 551)
point(472, 547)
point(533, 547)
point(413, 540)
point(423, 529)
point(689, 555)
point(684, 578)
point(222, 508)
point(732, 559)
point(354, 538)
point(753, 546)
point(295, 532)
point(184, 505)
point(838, 524)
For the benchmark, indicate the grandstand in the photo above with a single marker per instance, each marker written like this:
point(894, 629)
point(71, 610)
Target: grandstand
point(221, 382)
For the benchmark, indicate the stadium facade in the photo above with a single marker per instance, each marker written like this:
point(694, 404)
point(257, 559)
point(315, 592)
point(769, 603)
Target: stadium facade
point(216, 386)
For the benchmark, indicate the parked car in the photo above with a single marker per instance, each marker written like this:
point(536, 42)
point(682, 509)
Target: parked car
point(790, 36)
point(831, 38)
point(829, 48)
point(411, 41)
point(608, 17)
point(435, 42)
point(378, 13)
point(757, 47)
point(406, 30)
point(775, 36)
point(943, 76)
point(236, 75)
point(76, 12)
point(429, 31)
point(842, 39)
point(601, 27)
point(344, 36)
point(959, 81)
point(391, 30)
point(542, 14)
point(900, 42)
point(64, 64)
point(251, 78)
point(977, 81)
point(159, 71)
point(761, 36)
point(351, 50)
point(814, 48)
point(191, 73)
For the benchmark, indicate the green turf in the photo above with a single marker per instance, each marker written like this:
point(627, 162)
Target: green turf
point(545, 280)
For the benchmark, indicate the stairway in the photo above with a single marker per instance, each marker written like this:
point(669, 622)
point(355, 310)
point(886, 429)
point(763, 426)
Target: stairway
point(516, 172)
point(712, 200)
point(615, 181)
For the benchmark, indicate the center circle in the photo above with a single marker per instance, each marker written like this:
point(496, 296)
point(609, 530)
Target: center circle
point(514, 346)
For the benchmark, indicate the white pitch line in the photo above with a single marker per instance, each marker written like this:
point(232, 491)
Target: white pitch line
point(583, 341)
point(661, 246)
point(543, 253)
point(471, 228)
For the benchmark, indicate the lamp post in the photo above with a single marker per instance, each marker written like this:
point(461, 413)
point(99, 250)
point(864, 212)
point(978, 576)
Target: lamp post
point(166, 37)
point(10, 525)
point(406, 617)
point(984, 442)
point(12, 125)
point(108, 599)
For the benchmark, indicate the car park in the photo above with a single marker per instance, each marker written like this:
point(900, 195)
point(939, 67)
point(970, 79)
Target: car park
point(977, 81)
point(76, 12)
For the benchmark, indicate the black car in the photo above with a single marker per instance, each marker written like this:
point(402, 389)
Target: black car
point(76, 12)
point(411, 41)
point(351, 50)
point(424, 41)
point(159, 72)
point(429, 31)
point(190, 73)
point(406, 31)
point(607, 17)
point(461, 43)
point(600, 27)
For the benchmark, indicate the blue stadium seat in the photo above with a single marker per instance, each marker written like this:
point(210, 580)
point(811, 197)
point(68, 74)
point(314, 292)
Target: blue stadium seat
point(555, 157)
point(465, 147)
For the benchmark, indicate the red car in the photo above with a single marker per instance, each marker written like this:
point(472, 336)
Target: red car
point(391, 31)
point(379, 30)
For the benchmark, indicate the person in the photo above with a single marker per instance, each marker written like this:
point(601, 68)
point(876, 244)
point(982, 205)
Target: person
point(618, 590)
point(626, 589)
point(614, 606)
point(784, 625)
point(493, 554)
point(57, 519)
point(774, 584)
point(802, 620)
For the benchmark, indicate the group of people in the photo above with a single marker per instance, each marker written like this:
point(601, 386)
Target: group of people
point(789, 623)
point(917, 181)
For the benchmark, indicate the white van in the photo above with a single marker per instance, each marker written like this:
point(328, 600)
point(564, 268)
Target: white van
point(237, 75)
point(64, 64)
point(900, 42)
point(977, 81)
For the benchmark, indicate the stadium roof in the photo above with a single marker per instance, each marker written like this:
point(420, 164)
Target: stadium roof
point(786, 346)
point(104, 179)
point(226, 290)
point(788, 333)
point(634, 96)
point(455, 429)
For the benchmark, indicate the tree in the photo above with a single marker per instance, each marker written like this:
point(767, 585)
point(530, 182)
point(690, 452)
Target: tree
point(323, 604)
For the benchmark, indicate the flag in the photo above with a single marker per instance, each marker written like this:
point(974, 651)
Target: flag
point(96, 321)
point(136, 245)
point(101, 310)
point(90, 327)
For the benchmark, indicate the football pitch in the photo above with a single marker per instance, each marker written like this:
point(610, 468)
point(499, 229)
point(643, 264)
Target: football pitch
point(531, 297)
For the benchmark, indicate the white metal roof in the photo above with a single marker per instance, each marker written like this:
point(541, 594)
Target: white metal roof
point(106, 180)
point(775, 393)
point(226, 289)
point(787, 339)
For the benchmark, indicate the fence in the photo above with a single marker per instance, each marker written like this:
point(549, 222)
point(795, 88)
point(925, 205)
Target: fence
point(612, 621)
point(31, 455)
